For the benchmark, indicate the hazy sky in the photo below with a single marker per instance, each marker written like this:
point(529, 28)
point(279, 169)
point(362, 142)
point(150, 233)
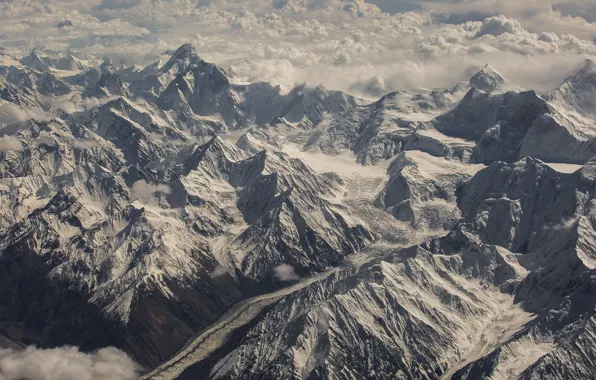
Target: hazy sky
point(353, 45)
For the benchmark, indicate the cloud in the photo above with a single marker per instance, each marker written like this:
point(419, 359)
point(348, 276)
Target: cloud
point(143, 190)
point(393, 6)
point(118, 4)
point(324, 315)
point(76, 103)
point(373, 86)
point(574, 8)
point(86, 144)
point(386, 54)
point(30, 22)
point(65, 105)
point(10, 143)
point(10, 113)
point(46, 140)
point(563, 225)
point(561, 16)
point(462, 18)
point(495, 26)
point(286, 272)
point(66, 363)
point(220, 271)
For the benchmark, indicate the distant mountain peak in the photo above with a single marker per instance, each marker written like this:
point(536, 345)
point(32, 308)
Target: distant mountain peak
point(578, 90)
point(185, 50)
point(488, 79)
point(588, 68)
point(37, 52)
point(185, 56)
point(36, 60)
point(107, 65)
point(109, 84)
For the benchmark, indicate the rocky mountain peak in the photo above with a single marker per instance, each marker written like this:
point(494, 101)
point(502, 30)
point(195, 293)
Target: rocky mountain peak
point(588, 67)
point(185, 56)
point(107, 65)
point(488, 79)
point(578, 91)
point(37, 60)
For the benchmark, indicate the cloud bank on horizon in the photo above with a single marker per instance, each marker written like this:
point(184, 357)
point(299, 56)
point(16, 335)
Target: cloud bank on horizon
point(367, 48)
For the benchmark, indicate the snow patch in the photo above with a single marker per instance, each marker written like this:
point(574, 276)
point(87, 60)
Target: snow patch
point(564, 168)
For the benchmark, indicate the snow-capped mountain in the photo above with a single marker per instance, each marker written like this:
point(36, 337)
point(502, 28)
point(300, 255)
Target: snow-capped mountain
point(39, 60)
point(214, 229)
point(577, 92)
point(489, 80)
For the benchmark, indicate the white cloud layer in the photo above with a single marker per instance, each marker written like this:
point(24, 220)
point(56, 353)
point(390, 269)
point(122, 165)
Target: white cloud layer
point(66, 363)
point(350, 45)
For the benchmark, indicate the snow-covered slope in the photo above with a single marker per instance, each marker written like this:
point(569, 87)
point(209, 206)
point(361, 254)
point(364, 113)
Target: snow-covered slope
point(518, 124)
point(489, 80)
point(123, 216)
point(578, 91)
point(506, 294)
point(378, 131)
point(237, 231)
point(422, 189)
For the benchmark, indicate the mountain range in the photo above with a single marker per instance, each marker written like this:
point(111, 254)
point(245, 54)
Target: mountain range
point(223, 230)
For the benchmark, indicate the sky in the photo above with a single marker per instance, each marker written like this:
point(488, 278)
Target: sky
point(366, 48)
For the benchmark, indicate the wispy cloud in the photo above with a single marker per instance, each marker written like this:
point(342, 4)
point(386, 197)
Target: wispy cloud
point(86, 144)
point(10, 113)
point(10, 143)
point(286, 272)
point(143, 190)
point(220, 271)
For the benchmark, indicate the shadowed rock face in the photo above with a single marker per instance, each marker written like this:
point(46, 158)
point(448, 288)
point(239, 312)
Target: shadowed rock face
point(218, 230)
